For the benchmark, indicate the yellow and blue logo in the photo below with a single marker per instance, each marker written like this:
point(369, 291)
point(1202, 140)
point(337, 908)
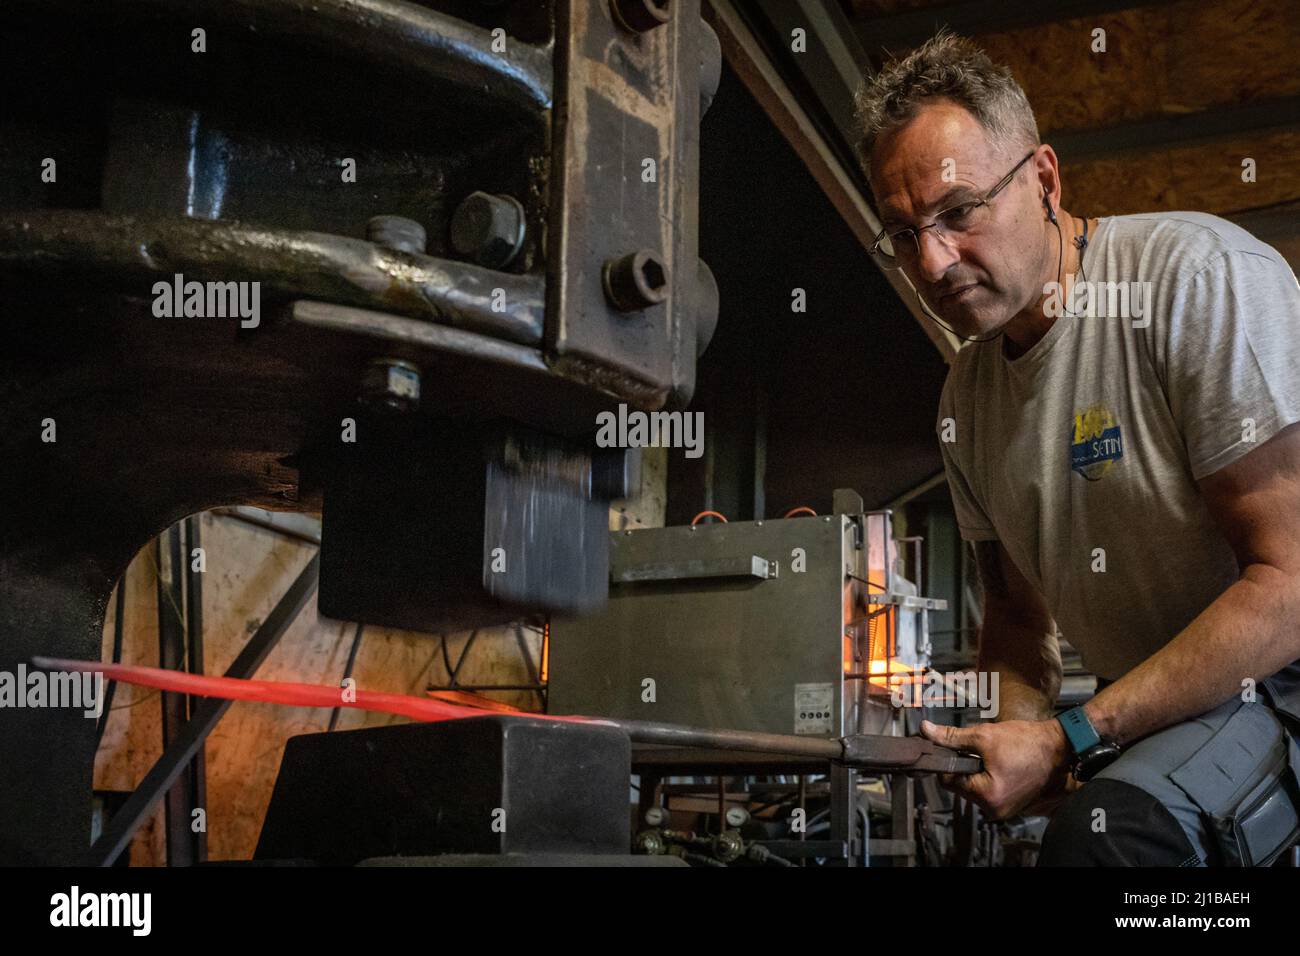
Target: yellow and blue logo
point(1096, 442)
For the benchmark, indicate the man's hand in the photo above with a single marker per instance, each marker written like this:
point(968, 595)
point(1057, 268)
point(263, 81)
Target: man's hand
point(1023, 759)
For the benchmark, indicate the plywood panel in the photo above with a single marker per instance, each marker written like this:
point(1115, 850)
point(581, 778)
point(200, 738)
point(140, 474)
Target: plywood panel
point(1070, 87)
point(247, 571)
point(1206, 177)
point(1232, 51)
point(1160, 60)
point(133, 733)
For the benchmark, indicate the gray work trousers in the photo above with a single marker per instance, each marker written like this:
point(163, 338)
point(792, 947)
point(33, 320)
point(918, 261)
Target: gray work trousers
point(1222, 789)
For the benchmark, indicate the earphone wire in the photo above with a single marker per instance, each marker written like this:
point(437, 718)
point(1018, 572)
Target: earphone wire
point(1080, 243)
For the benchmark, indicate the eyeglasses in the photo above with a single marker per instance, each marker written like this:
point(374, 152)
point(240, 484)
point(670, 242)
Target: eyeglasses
point(891, 250)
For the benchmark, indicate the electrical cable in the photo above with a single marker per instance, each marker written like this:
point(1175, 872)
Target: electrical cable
point(446, 658)
point(460, 661)
point(454, 671)
point(706, 514)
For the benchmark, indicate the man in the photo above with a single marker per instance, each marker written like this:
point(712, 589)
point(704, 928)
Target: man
point(1121, 442)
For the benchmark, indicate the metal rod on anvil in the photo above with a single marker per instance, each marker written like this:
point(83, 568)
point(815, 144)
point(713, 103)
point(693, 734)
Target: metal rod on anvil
point(865, 751)
point(861, 751)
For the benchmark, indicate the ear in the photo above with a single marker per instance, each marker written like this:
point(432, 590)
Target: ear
point(1049, 175)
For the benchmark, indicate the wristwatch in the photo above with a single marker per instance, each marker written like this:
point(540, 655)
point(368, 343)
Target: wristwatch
point(1091, 753)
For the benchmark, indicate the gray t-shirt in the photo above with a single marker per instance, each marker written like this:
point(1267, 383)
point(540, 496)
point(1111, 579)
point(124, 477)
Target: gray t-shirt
point(1084, 452)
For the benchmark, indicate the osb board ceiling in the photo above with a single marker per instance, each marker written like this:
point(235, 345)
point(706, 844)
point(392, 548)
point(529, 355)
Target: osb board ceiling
point(1229, 70)
point(1198, 176)
point(1160, 60)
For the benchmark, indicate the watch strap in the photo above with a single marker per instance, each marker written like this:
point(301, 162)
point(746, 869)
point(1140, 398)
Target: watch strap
point(1078, 730)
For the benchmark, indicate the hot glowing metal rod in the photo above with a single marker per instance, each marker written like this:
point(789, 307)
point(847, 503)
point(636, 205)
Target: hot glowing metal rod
point(867, 751)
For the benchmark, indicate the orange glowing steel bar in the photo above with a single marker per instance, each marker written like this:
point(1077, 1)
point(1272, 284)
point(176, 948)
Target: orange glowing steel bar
point(898, 673)
point(878, 667)
point(546, 652)
point(276, 692)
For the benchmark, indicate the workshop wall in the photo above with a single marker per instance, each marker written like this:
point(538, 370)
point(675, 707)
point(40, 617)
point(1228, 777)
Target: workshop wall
point(837, 393)
point(1167, 117)
point(248, 570)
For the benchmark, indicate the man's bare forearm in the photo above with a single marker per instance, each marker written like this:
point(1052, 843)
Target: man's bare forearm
point(1252, 630)
point(1027, 660)
point(1017, 638)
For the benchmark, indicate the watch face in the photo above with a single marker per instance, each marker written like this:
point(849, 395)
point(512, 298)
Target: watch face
point(1094, 760)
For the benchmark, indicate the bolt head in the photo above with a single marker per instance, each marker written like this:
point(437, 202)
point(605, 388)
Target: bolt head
point(489, 229)
point(392, 384)
point(635, 281)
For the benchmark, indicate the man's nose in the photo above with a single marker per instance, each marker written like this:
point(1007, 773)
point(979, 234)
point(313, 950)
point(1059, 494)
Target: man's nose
point(936, 256)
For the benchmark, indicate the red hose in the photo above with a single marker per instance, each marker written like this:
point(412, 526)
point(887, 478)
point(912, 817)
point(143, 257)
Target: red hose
point(706, 514)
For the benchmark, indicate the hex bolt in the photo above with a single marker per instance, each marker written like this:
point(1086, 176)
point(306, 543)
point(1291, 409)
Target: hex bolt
point(397, 233)
point(640, 16)
point(635, 281)
point(392, 384)
point(489, 228)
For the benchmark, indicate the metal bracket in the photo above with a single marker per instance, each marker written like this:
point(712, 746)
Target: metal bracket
point(750, 567)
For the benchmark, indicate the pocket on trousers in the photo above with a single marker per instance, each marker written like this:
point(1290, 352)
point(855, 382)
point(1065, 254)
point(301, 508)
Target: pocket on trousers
point(1243, 781)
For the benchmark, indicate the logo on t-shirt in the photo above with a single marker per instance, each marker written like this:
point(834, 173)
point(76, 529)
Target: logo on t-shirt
point(1095, 442)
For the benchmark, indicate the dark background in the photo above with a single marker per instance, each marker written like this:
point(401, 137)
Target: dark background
point(797, 404)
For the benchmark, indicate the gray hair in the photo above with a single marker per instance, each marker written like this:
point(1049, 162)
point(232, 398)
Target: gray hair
point(945, 67)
